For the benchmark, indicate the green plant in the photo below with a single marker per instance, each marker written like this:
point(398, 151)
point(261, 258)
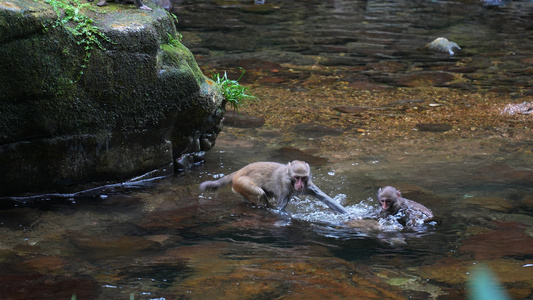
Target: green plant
point(174, 42)
point(85, 33)
point(232, 91)
point(171, 40)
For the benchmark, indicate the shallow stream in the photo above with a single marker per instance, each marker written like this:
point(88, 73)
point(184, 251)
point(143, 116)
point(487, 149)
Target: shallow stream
point(163, 239)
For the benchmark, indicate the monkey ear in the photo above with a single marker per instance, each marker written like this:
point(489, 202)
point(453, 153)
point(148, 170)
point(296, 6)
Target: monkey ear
point(399, 193)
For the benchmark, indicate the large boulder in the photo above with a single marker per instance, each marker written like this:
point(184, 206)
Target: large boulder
point(75, 113)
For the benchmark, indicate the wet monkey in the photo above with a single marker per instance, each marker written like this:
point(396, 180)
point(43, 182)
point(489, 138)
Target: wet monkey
point(392, 202)
point(262, 181)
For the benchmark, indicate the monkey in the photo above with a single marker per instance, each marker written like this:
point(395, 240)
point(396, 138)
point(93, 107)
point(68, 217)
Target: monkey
point(392, 203)
point(260, 182)
point(138, 3)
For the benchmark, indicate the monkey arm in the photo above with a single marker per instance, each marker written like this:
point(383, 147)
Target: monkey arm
point(314, 191)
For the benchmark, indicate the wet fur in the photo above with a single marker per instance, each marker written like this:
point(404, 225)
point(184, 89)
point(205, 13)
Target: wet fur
point(397, 203)
point(262, 181)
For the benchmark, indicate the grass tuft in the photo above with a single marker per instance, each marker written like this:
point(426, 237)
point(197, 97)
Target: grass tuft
point(236, 94)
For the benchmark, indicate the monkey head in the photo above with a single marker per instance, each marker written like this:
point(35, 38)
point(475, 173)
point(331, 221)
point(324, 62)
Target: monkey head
point(299, 174)
point(388, 199)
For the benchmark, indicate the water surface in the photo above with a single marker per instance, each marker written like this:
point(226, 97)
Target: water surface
point(163, 239)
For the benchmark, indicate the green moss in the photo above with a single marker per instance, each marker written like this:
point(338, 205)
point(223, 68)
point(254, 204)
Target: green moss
point(140, 81)
point(178, 56)
point(71, 15)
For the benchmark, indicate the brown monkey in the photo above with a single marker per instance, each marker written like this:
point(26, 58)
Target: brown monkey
point(261, 181)
point(392, 203)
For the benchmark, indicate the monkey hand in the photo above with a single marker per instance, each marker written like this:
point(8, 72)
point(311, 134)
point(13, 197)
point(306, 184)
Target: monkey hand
point(314, 191)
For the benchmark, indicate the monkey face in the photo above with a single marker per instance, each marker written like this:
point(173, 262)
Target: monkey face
point(299, 182)
point(388, 198)
point(386, 203)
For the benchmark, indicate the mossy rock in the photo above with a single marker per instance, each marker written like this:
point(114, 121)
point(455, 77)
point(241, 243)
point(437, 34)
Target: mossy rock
point(53, 110)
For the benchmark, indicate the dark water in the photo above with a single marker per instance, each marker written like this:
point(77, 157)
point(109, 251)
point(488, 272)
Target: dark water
point(162, 239)
point(390, 36)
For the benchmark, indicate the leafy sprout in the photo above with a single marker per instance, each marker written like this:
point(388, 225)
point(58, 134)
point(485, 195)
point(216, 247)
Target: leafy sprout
point(174, 42)
point(85, 33)
point(236, 94)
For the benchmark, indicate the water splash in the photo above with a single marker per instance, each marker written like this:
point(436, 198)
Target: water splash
point(310, 210)
point(363, 220)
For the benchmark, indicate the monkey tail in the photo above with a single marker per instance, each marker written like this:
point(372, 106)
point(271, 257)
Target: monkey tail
point(214, 185)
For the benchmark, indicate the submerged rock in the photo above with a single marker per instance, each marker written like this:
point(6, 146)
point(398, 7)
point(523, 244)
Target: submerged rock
point(38, 286)
point(491, 202)
point(238, 120)
point(292, 153)
point(433, 127)
point(456, 272)
point(135, 105)
point(510, 239)
point(314, 130)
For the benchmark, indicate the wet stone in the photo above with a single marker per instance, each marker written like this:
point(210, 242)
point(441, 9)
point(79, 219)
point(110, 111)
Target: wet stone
point(342, 61)
point(291, 273)
point(235, 119)
point(406, 101)
point(492, 203)
point(424, 79)
point(507, 172)
point(272, 80)
point(527, 202)
point(366, 225)
point(463, 69)
point(510, 239)
point(516, 279)
point(174, 219)
point(189, 160)
point(354, 76)
point(113, 246)
point(256, 64)
point(37, 286)
point(350, 109)
point(43, 264)
point(292, 153)
point(434, 127)
point(228, 142)
point(388, 66)
point(315, 80)
point(312, 130)
point(366, 85)
point(411, 284)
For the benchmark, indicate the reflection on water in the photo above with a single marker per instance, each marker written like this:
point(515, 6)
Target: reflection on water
point(383, 41)
point(162, 239)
